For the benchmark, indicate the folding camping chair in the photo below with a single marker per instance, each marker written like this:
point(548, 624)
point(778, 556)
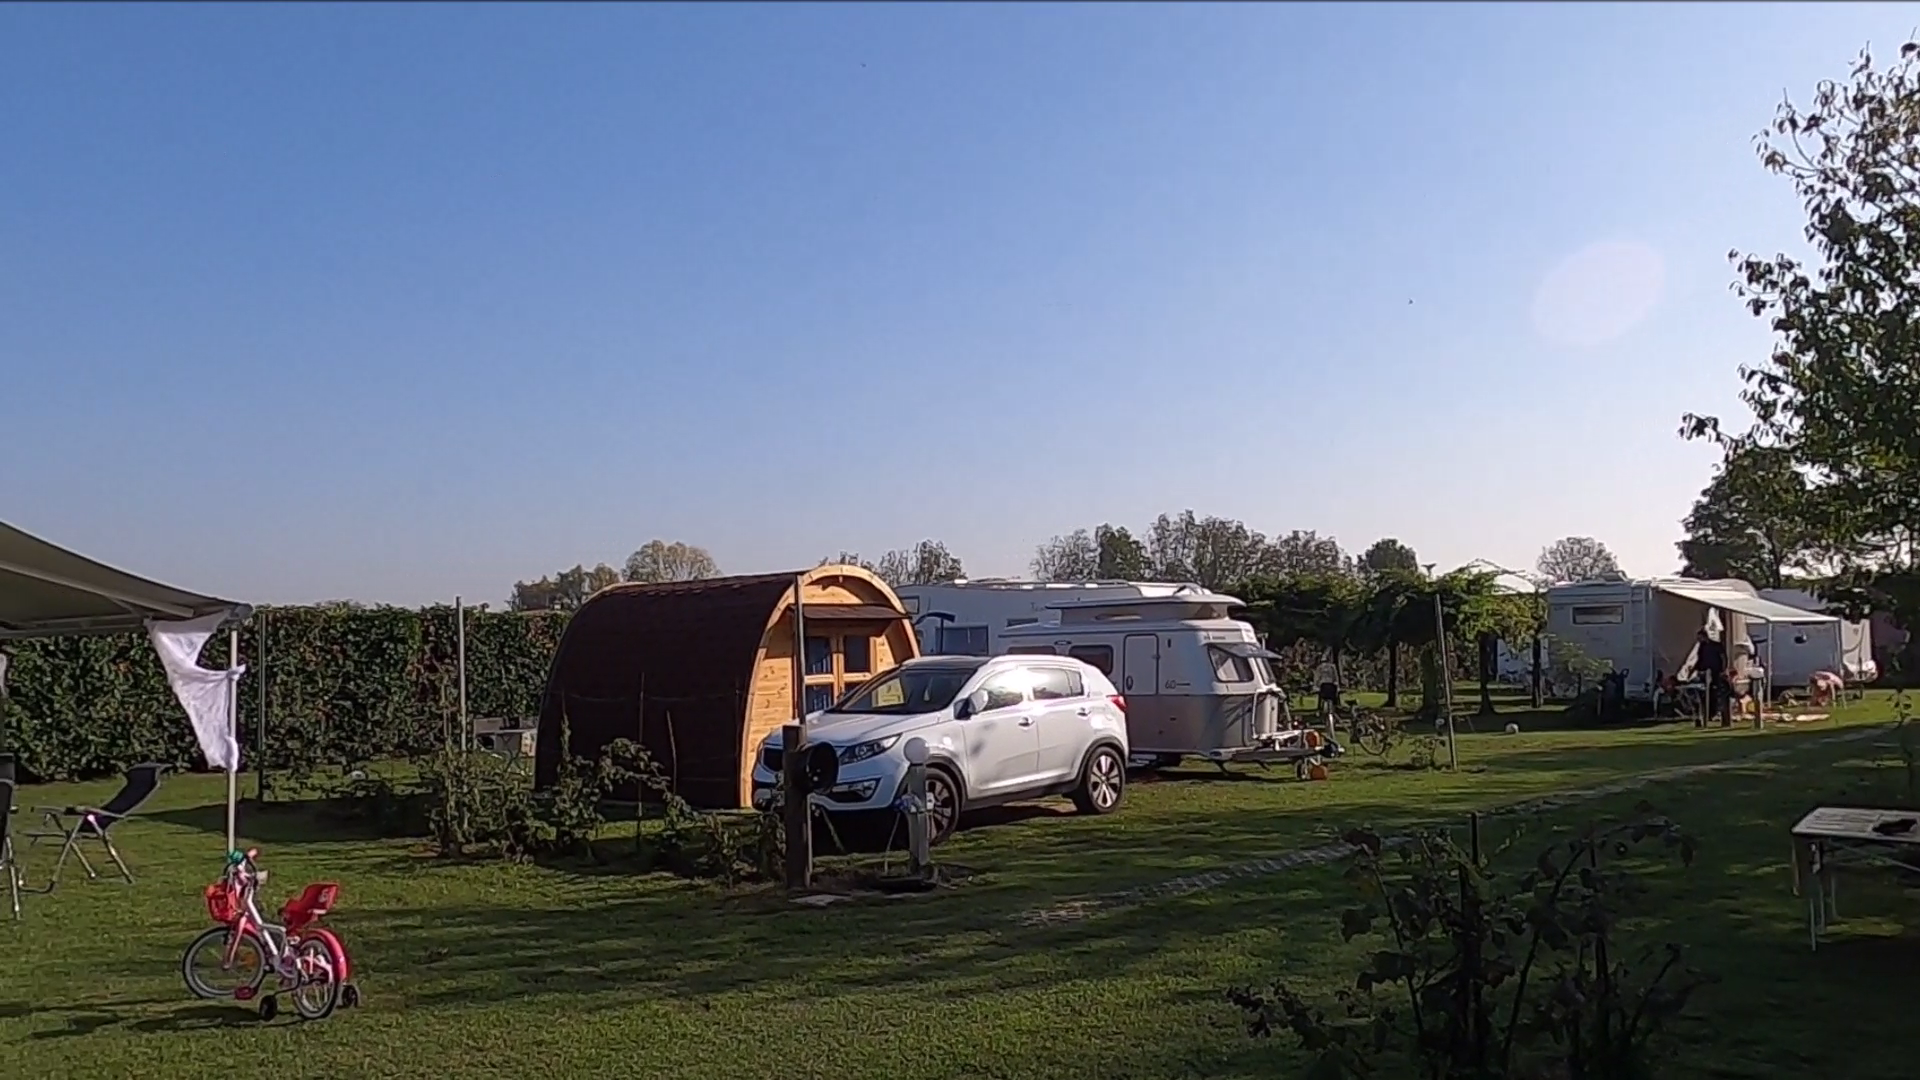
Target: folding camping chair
point(72, 824)
point(7, 865)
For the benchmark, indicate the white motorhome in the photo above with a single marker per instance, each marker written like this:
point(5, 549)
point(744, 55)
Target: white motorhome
point(1195, 681)
point(1647, 628)
point(1842, 646)
point(969, 618)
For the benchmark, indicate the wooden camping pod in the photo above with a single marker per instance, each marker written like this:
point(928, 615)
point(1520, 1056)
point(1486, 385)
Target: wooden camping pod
point(700, 671)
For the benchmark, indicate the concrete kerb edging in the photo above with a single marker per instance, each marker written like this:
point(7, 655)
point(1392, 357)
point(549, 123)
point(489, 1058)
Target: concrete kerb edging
point(1078, 910)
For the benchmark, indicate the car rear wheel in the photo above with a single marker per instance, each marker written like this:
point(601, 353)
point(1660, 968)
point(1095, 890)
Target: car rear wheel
point(1103, 782)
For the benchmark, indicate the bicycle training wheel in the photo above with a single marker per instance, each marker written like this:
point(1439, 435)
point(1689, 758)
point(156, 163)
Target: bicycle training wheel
point(207, 972)
point(317, 993)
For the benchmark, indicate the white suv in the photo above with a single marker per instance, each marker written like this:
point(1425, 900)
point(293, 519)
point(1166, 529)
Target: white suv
point(997, 730)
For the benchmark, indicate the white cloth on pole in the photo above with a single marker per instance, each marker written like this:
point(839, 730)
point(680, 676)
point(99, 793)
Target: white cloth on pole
point(208, 696)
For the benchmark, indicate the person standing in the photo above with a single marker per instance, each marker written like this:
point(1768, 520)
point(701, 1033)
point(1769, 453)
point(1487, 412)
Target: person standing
point(1327, 675)
point(1710, 659)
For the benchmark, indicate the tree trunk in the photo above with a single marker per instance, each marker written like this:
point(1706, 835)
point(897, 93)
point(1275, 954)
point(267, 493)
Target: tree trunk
point(1393, 674)
point(1539, 694)
point(1489, 659)
point(1431, 686)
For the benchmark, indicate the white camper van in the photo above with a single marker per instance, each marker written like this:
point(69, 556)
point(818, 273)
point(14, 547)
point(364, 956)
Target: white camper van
point(1647, 628)
point(1841, 646)
point(969, 618)
point(1195, 681)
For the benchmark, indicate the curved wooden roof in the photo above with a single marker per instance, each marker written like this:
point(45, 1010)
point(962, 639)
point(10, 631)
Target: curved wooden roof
point(691, 637)
point(690, 646)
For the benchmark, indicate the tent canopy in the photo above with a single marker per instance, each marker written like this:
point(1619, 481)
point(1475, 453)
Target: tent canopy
point(1714, 594)
point(48, 591)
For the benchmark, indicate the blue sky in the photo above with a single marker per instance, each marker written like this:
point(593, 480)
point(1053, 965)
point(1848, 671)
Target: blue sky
point(394, 303)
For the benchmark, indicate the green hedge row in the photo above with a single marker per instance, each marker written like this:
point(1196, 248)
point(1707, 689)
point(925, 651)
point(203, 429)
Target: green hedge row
point(344, 685)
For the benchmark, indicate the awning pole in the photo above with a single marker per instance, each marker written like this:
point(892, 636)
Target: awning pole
point(460, 644)
point(233, 733)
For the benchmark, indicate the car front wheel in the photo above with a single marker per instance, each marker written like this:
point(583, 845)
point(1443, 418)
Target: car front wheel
point(1103, 782)
point(943, 806)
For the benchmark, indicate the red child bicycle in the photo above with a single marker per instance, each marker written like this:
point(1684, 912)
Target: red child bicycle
point(233, 959)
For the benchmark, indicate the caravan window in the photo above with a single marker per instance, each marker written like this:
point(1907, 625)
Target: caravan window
point(1599, 613)
point(1099, 656)
point(1022, 620)
point(963, 640)
point(1228, 667)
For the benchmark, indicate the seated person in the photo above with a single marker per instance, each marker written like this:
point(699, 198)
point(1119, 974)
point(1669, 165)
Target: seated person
point(1824, 687)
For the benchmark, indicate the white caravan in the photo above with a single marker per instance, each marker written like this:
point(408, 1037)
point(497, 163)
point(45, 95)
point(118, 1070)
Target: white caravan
point(969, 618)
point(1195, 681)
point(1841, 646)
point(1647, 628)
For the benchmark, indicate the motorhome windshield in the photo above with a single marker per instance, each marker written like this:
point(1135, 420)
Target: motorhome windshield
point(909, 691)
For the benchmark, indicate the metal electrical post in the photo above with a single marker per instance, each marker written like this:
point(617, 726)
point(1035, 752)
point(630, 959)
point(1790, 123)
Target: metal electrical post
point(1446, 677)
point(797, 799)
point(919, 837)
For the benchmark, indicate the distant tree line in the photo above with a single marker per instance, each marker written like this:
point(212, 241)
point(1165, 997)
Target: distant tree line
point(1374, 614)
point(655, 561)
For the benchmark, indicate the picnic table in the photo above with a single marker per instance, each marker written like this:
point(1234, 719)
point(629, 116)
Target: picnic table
point(1830, 838)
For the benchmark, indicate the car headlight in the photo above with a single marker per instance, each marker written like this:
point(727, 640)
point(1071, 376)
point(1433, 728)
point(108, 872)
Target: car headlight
point(865, 750)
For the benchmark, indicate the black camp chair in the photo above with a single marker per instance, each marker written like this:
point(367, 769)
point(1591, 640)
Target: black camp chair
point(7, 865)
point(72, 824)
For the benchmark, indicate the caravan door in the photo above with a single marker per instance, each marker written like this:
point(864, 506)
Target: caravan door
point(1140, 667)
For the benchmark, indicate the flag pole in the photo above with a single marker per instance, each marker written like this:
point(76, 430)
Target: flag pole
point(233, 732)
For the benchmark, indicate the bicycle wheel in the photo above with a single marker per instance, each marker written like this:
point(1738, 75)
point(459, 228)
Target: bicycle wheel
point(317, 992)
point(209, 974)
point(1372, 735)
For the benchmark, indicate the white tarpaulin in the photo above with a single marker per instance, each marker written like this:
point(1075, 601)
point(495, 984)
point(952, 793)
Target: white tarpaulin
point(206, 695)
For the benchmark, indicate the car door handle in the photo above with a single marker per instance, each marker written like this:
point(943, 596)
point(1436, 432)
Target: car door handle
point(1083, 711)
point(1026, 721)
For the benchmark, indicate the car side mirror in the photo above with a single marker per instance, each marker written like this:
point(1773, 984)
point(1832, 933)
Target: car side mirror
point(964, 708)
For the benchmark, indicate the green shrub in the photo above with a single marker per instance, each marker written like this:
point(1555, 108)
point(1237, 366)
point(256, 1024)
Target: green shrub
point(345, 686)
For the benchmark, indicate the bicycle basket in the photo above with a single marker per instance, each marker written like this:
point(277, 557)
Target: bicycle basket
point(222, 905)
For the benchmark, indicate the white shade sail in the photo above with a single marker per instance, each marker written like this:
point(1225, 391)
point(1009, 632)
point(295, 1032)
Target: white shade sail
point(48, 591)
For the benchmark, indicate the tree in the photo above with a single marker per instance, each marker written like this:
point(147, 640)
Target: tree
point(1171, 546)
point(1836, 395)
point(1393, 618)
point(1489, 615)
point(1754, 521)
point(1326, 610)
point(1121, 557)
point(1108, 553)
point(659, 561)
point(1073, 557)
point(1212, 552)
point(1388, 554)
point(564, 591)
point(1305, 552)
point(925, 563)
point(1576, 558)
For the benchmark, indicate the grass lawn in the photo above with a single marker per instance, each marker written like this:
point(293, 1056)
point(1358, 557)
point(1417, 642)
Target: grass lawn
point(488, 969)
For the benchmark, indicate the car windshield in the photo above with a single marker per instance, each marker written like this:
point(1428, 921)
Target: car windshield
point(907, 691)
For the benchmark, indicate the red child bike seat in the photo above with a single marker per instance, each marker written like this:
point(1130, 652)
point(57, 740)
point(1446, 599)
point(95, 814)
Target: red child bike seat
point(313, 902)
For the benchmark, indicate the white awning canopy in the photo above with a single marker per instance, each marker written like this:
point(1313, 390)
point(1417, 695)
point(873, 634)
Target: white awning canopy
point(48, 591)
point(1728, 598)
